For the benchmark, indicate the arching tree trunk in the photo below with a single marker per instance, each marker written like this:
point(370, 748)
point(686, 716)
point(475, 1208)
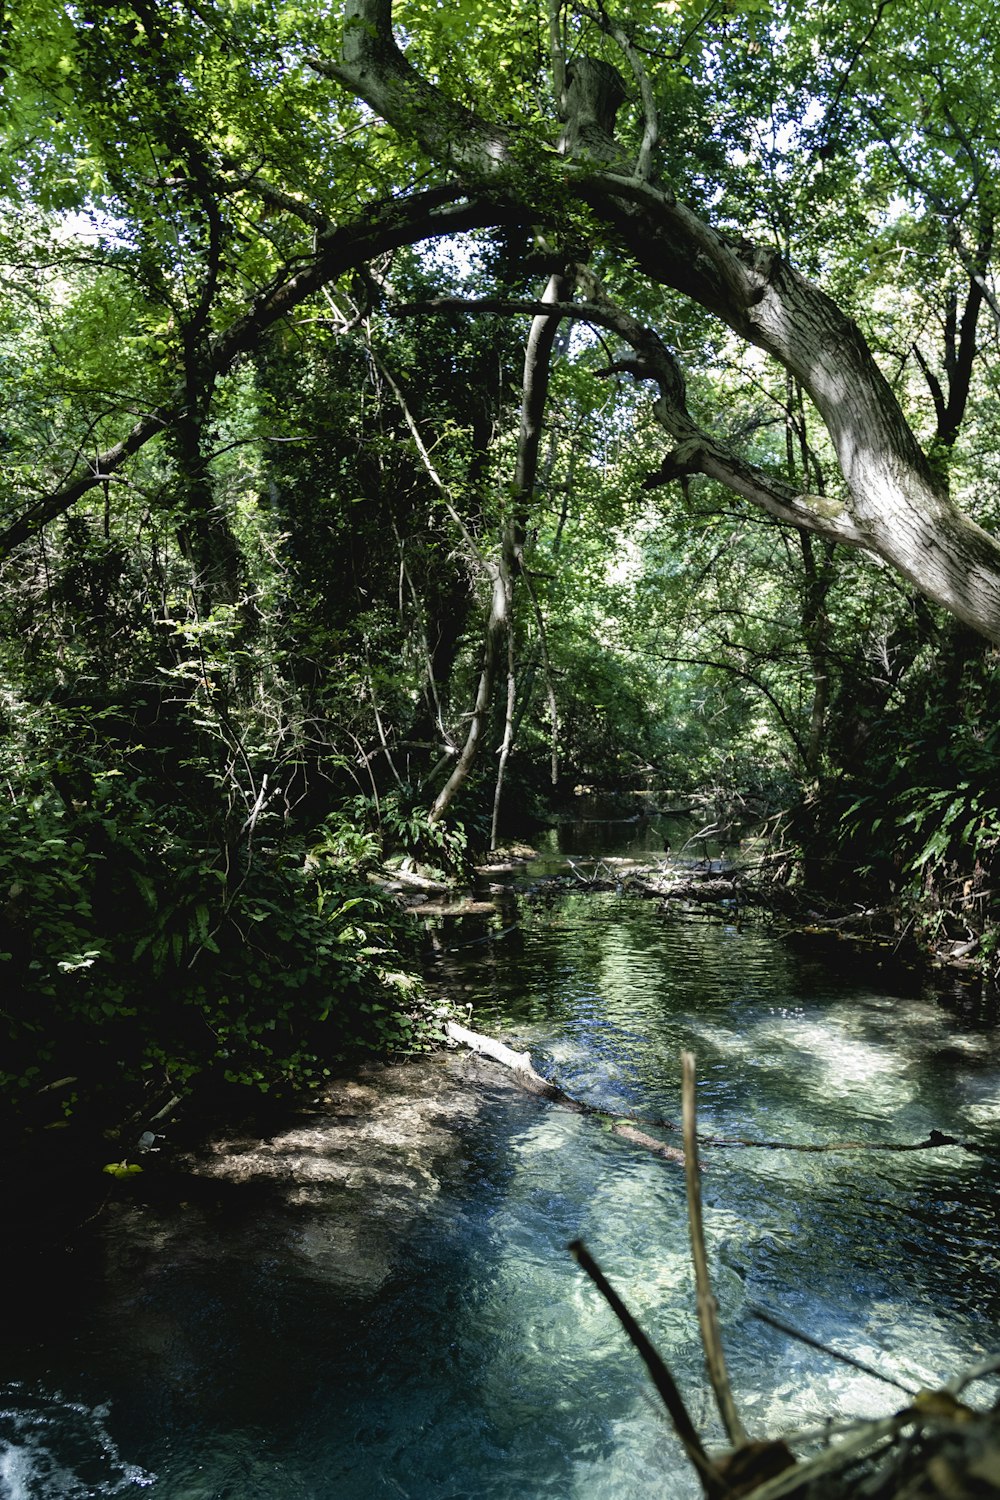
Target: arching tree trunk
point(504, 572)
point(493, 642)
point(895, 505)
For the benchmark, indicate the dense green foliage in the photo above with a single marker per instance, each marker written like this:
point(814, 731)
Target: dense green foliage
point(298, 580)
point(146, 938)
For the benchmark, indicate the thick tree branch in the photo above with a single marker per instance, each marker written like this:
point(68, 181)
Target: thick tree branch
point(372, 65)
point(696, 451)
point(650, 116)
point(896, 503)
point(425, 215)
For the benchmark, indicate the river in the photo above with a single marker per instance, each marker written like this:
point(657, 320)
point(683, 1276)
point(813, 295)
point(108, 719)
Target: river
point(375, 1299)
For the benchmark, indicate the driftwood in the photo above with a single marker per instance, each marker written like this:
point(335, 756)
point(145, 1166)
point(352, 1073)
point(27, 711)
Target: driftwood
point(518, 1062)
point(935, 1140)
point(416, 882)
point(520, 1065)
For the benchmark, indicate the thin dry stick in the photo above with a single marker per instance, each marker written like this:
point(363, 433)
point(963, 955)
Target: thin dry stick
point(424, 452)
point(988, 1367)
point(712, 1482)
point(708, 1308)
point(845, 1359)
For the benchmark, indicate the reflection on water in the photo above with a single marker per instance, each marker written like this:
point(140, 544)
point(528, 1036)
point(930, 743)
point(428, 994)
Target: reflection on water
point(378, 1301)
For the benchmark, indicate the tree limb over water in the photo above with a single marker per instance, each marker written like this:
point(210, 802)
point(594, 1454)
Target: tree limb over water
point(893, 497)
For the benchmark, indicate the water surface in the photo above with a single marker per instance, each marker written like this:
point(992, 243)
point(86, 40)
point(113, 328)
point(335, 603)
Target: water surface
point(378, 1300)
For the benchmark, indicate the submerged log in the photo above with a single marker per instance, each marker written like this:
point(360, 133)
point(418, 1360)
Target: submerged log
point(934, 1141)
point(519, 1063)
point(521, 1066)
point(415, 882)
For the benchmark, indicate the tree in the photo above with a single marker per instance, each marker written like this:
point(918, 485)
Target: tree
point(894, 503)
point(503, 159)
point(679, 182)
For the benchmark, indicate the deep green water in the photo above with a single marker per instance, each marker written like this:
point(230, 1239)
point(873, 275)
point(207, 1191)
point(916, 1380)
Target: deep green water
point(410, 1324)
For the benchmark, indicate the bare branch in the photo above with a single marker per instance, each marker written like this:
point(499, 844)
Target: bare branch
point(423, 451)
point(697, 452)
point(708, 1308)
point(712, 1481)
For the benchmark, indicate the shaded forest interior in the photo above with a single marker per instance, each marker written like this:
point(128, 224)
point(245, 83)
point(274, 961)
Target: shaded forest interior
point(415, 414)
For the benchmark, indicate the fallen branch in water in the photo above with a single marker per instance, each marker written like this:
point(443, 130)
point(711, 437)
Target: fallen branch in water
point(517, 1062)
point(415, 882)
point(712, 1481)
point(932, 1143)
point(520, 1065)
point(630, 1128)
point(630, 1133)
point(838, 1354)
point(750, 1463)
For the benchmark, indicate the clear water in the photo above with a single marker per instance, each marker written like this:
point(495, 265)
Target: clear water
point(405, 1320)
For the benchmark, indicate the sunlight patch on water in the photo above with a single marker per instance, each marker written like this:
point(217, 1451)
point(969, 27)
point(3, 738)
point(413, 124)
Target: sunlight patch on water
point(644, 1459)
point(845, 1064)
point(802, 1397)
point(984, 1113)
point(829, 1062)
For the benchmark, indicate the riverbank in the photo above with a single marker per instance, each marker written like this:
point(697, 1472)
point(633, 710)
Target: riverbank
point(62, 1165)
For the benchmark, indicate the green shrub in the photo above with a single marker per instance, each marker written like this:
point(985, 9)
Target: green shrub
point(143, 939)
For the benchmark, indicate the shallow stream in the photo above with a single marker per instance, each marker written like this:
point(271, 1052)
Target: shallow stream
point(377, 1300)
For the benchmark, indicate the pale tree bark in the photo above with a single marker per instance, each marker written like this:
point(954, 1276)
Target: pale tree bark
point(494, 637)
point(895, 506)
point(534, 396)
point(504, 569)
point(507, 744)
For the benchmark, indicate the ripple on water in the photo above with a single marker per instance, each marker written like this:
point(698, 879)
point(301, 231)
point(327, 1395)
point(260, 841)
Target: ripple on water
point(54, 1449)
point(393, 1311)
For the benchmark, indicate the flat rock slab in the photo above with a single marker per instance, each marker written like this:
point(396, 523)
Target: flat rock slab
point(333, 1192)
